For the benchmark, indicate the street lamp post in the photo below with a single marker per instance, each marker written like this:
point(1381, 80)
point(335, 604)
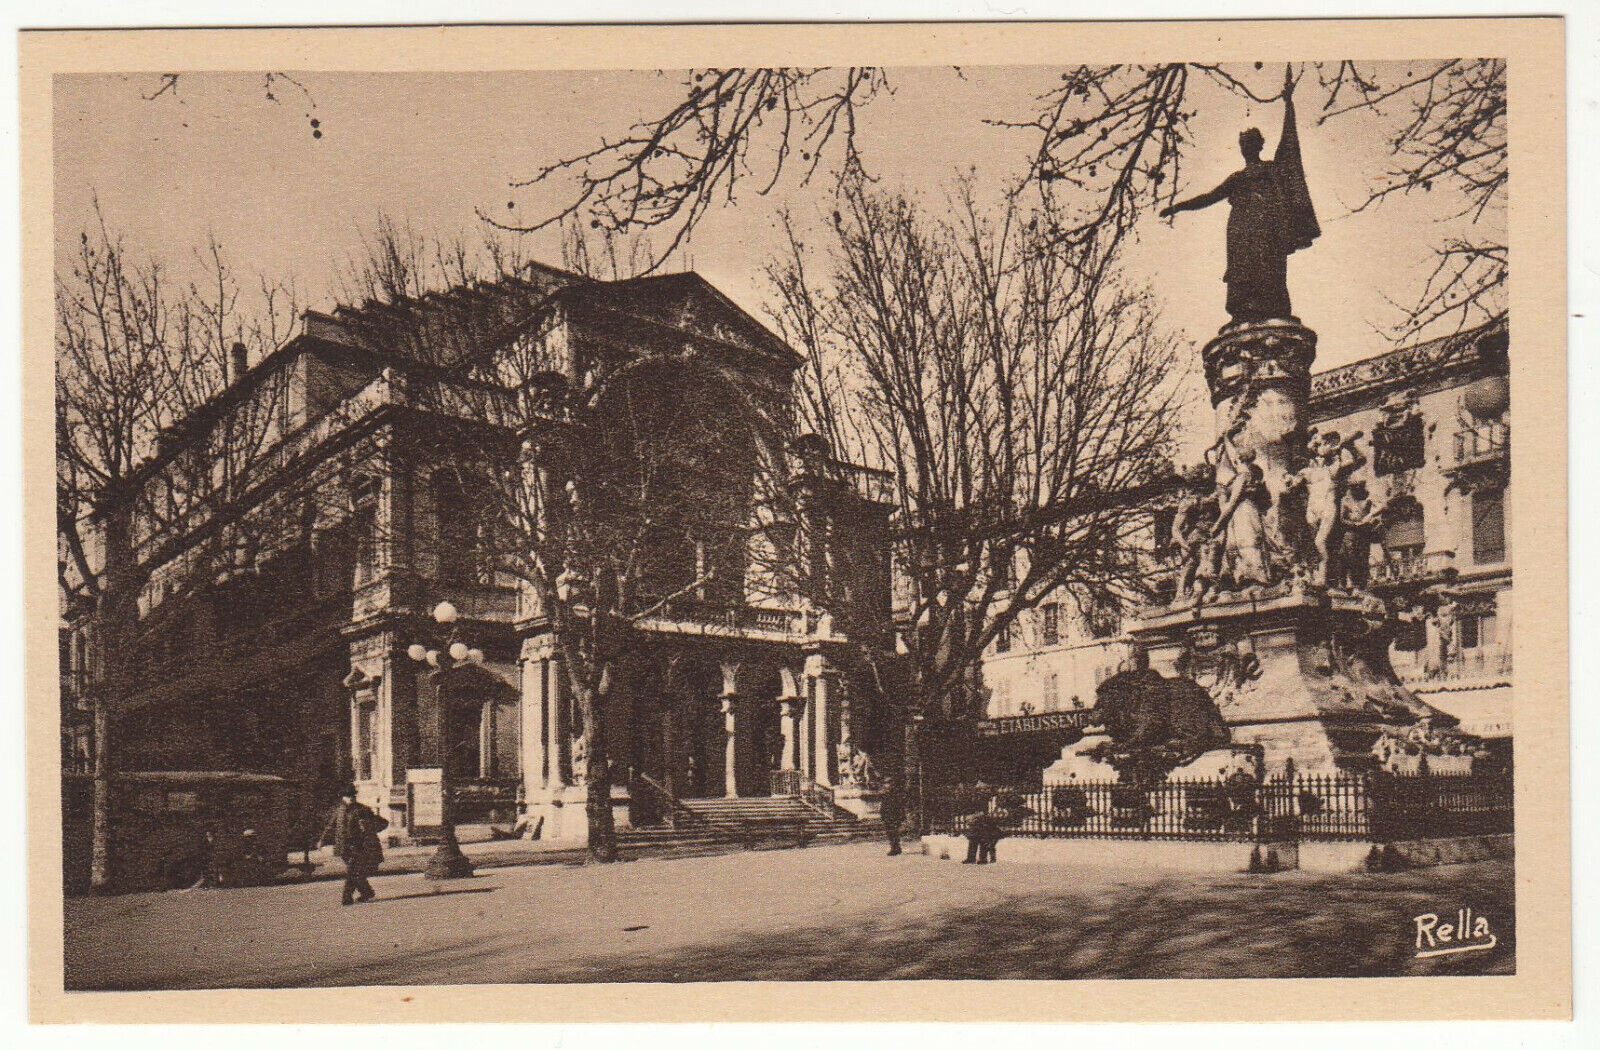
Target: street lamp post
point(447, 862)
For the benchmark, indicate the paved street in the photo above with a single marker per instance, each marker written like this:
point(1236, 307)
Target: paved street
point(827, 912)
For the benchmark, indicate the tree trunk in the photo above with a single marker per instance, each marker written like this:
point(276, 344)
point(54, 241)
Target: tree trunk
point(100, 869)
point(597, 776)
point(115, 619)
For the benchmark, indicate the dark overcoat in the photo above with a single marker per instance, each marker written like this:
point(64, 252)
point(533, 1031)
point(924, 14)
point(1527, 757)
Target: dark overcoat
point(353, 830)
point(892, 808)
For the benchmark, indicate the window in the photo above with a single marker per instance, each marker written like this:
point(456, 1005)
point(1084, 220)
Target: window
point(1051, 629)
point(1398, 446)
point(459, 540)
point(332, 561)
point(367, 740)
point(364, 527)
point(1478, 631)
point(1002, 699)
point(1411, 635)
point(1161, 524)
point(464, 751)
point(1002, 639)
point(1105, 618)
point(1488, 526)
point(1404, 532)
point(1052, 692)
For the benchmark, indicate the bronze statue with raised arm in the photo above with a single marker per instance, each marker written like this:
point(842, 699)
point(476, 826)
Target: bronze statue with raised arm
point(1271, 216)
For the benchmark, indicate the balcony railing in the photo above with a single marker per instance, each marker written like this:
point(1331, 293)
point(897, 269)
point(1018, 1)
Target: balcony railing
point(868, 483)
point(1484, 662)
point(738, 618)
point(1412, 568)
point(1480, 443)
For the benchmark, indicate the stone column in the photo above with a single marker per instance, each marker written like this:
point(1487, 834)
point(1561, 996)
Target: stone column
point(730, 760)
point(790, 706)
point(823, 719)
point(730, 729)
point(802, 746)
point(671, 748)
point(560, 723)
point(535, 762)
point(789, 714)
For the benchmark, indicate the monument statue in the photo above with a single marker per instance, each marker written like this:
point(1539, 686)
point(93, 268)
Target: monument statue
point(1242, 500)
point(1272, 639)
point(1197, 547)
point(1270, 217)
point(1326, 477)
point(1359, 520)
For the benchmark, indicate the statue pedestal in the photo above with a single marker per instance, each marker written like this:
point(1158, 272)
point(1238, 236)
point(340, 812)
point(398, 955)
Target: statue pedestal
point(1304, 675)
point(1075, 761)
point(862, 802)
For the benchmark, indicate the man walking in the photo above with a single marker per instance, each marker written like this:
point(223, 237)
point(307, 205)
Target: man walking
point(892, 811)
point(353, 830)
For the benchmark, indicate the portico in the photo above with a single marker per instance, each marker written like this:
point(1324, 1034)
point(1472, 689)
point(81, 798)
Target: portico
point(731, 714)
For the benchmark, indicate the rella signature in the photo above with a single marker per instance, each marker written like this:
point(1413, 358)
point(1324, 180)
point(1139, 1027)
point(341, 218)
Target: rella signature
point(1468, 932)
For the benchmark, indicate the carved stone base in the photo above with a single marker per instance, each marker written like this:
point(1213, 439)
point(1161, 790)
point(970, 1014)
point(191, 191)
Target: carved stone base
point(1076, 761)
point(863, 802)
point(560, 813)
point(1304, 675)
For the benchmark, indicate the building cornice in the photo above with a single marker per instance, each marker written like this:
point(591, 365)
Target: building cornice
point(1468, 354)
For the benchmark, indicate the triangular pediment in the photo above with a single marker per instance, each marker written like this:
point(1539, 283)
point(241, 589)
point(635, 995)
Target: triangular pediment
point(688, 302)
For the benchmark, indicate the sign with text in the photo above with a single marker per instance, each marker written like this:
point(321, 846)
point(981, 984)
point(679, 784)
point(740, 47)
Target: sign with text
point(424, 799)
point(1052, 720)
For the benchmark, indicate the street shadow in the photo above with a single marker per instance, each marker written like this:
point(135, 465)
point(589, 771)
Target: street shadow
point(432, 893)
point(1234, 926)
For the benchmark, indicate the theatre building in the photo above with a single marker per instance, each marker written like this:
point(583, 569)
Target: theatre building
point(286, 580)
point(1434, 424)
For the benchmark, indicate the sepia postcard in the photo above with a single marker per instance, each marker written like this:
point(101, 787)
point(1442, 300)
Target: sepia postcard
point(991, 522)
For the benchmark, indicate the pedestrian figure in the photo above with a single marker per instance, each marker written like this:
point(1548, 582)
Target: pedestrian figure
point(892, 811)
point(1241, 787)
point(353, 830)
point(982, 835)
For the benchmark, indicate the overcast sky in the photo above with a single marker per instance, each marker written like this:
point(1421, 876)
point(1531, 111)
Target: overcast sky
point(217, 157)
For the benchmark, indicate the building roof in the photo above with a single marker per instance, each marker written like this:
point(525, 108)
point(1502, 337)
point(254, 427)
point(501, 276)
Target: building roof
point(440, 328)
point(1472, 351)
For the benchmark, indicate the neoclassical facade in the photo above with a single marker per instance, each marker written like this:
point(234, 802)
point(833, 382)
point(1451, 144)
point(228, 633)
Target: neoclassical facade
point(280, 616)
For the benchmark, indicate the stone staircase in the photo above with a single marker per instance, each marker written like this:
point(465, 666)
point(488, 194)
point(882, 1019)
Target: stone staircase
point(773, 822)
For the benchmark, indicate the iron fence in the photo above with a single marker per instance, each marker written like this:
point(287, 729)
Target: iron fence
point(1372, 807)
point(785, 782)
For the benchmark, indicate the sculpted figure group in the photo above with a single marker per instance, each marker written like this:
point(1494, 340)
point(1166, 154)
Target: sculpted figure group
point(1230, 533)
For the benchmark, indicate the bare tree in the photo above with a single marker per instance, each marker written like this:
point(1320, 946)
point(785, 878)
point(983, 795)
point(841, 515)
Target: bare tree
point(1018, 390)
point(137, 352)
point(733, 127)
point(611, 485)
point(1453, 137)
point(1108, 149)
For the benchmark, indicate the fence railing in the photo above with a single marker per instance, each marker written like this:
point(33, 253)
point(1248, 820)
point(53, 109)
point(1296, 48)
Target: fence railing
point(1377, 807)
point(1482, 442)
point(1408, 568)
point(820, 798)
point(664, 806)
